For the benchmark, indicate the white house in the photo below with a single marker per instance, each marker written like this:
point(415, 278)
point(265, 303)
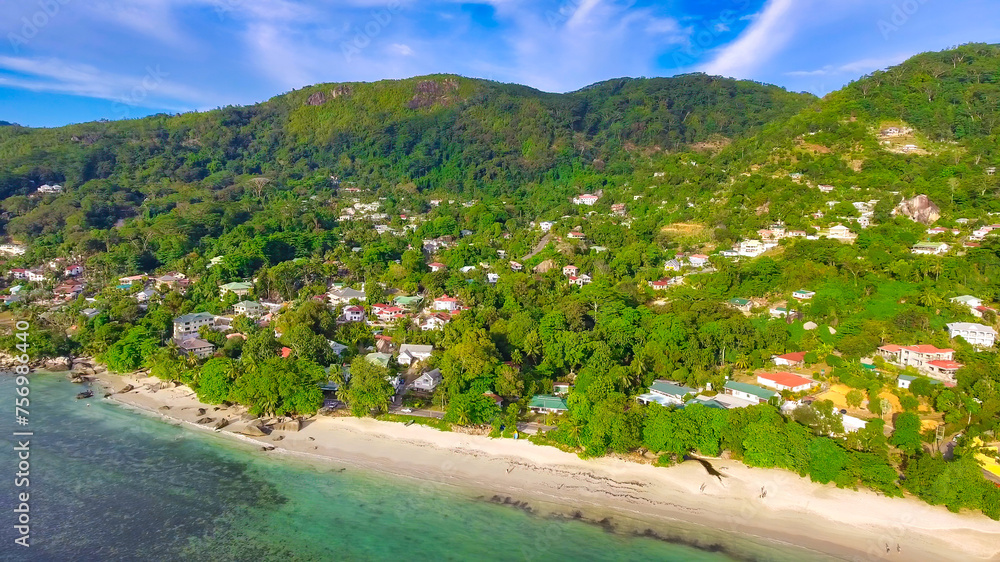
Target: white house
point(978, 335)
point(803, 295)
point(969, 301)
point(353, 314)
point(492, 278)
point(580, 281)
point(428, 381)
point(411, 353)
point(250, 309)
point(930, 248)
point(35, 275)
point(570, 270)
point(585, 199)
point(929, 360)
point(750, 248)
point(444, 302)
point(698, 260)
point(435, 322)
point(546, 226)
point(73, 270)
point(436, 266)
point(785, 381)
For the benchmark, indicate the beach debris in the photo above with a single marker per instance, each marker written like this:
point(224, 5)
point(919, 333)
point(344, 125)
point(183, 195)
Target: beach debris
point(267, 448)
point(85, 394)
point(312, 438)
point(279, 437)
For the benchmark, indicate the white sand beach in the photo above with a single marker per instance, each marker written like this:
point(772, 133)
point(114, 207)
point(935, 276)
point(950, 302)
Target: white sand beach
point(680, 502)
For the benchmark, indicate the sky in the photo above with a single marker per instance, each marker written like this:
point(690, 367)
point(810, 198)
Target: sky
point(69, 61)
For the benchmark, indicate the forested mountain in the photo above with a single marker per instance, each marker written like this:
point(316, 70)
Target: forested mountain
point(435, 130)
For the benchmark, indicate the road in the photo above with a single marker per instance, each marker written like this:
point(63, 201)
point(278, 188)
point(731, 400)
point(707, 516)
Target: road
point(539, 247)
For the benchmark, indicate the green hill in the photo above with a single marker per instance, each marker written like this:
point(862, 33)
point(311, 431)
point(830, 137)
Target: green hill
point(438, 130)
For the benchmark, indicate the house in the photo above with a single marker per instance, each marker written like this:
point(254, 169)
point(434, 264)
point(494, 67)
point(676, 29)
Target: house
point(546, 226)
point(969, 301)
point(173, 280)
point(46, 188)
point(780, 312)
point(126, 282)
point(353, 314)
point(840, 232)
point(338, 348)
point(580, 281)
point(673, 265)
point(561, 388)
point(436, 266)
point(576, 235)
point(35, 275)
point(238, 288)
point(69, 289)
point(750, 248)
point(825, 188)
point(514, 266)
point(586, 199)
point(660, 285)
point(12, 249)
point(547, 404)
point(146, 295)
point(698, 260)
point(197, 346)
point(570, 270)
point(383, 344)
point(930, 248)
point(428, 381)
point(749, 392)
point(380, 359)
point(412, 353)
point(978, 335)
point(785, 381)
point(618, 209)
point(803, 295)
point(790, 359)
point(674, 393)
point(19, 273)
point(743, 305)
point(386, 313)
point(408, 302)
point(90, 313)
point(345, 296)
point(728, 401)
point(492, 278)
point(444, 302)
point(903, 381)
point(188, 324)
point(73, 270)
point(927, 359)
point(467, 269)
point(250, 309)
point(435, 322)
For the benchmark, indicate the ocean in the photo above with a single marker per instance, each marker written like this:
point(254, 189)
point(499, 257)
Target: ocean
point(108, 483)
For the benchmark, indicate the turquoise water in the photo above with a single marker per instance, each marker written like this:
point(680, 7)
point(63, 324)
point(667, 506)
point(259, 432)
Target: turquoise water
point(111, 484)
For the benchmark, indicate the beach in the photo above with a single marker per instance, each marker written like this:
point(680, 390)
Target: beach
point(683, 503)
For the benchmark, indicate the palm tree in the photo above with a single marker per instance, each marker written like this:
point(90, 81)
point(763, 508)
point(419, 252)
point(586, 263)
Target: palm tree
point(742, 362)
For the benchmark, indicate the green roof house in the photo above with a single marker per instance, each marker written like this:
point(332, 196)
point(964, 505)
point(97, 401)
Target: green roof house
point(547, 404)
point(741, 304)
point(749, 392)
point(241, 289)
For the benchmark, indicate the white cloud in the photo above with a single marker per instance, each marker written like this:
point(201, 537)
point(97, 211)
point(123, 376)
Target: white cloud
point(401, 50)
point(769, 32)
point(854, 68)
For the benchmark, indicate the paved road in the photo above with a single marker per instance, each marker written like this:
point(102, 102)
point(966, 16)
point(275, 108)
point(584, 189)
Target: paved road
point(539, 247)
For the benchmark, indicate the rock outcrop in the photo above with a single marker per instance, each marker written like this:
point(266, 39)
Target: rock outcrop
point(919, 209)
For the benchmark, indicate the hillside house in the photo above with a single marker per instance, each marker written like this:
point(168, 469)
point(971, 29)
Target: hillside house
point(412, 353)
point(930, 248)
point(250, 309)
point(436, 266)
point(196, 346)
point(576, 235)
point(570, 270)
point(238, 288)
point(698, 260)
point(588, 199)
point(388, 313)
point(803, 295)
point(580, 281)
point(73, 270)
point(743, 305)
point(660, 285)
point(978, 335)
point(35, 275)
point(546, 226)
point(785, 381)
point(618, 209)
point(673, 265)
point(446, 303)
point(749, 392)
point(13, 249)
point(50, 189)
point(780, 312)
point(790, 359)
point(515, 266)
point(188, 324)
point(435, 322)
point(750, 248)
point(969, 301)
point(927, 359)
point(352, 314)
point(665, 393)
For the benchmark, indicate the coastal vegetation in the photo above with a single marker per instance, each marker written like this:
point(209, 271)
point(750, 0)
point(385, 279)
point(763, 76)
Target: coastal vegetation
point(684, 167)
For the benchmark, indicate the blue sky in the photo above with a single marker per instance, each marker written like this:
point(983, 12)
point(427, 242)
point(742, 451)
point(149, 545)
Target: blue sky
point(65, 61)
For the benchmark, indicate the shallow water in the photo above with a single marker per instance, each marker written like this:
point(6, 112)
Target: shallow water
point(108, 483)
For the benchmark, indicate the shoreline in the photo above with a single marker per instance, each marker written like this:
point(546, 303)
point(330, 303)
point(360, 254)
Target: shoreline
point(627, 498)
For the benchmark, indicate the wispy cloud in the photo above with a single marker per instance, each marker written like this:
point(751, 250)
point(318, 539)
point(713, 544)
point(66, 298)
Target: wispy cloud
point(768, 33)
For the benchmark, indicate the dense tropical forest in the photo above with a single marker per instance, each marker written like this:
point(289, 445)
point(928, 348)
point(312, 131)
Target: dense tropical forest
point(440, 185)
